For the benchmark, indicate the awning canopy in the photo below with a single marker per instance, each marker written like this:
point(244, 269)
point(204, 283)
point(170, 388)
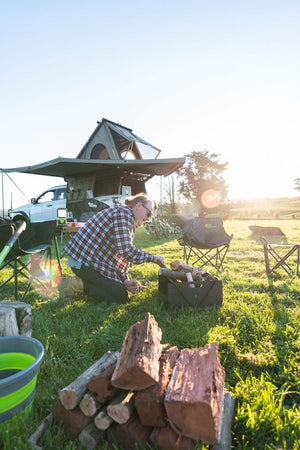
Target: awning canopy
point(72, 167)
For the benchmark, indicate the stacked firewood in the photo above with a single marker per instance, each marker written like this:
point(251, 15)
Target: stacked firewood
point(147, 393)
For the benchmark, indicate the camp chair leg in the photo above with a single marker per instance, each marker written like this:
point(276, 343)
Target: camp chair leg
point(215, 257)
point(281, 261)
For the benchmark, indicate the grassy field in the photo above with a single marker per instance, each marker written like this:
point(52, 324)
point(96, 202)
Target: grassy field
point(257, 329)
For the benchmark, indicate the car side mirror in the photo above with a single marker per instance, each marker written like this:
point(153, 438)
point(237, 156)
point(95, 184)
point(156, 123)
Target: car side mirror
point(33, 201)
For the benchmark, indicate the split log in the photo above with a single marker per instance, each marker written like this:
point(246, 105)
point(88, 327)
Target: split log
point(173, 274)
point(102, 420)
point(71, 395)
point(102, 386)
point(130, 434)
point(179, 265)
point(194, 398)
point(8, 322)
point(72, 421)
point(150, 402)
point(89, 404)
point(138, 364)
point(225, 439)
point(167, 439)
point(34, 438)
point(121, 408)
point(90, 437)
point(23, 316)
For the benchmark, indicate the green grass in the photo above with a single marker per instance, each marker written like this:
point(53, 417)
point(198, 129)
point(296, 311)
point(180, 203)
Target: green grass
point(257, 329)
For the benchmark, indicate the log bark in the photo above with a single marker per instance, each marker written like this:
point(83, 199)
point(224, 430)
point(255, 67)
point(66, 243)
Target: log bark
point(121, 408)
point(23, 315)
point(227, 418)
point(8, 321)
point(138, 364)
point(72, 421)
point(90, 436)
point(89, 404)
point(173, 274)
point(167, 439)
point(129, 435)
point(71, 395)
point(194, 398)
point(102, 420)
point(102, 386)
point(150, 402)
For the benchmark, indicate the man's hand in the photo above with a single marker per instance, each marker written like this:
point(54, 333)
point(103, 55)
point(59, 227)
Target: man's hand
point(132, 286)
point(160, 260)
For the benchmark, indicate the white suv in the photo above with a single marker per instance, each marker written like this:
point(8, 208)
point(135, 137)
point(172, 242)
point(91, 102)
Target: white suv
point(42, 208)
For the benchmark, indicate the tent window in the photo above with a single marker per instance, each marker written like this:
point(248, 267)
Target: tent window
point(99, 152)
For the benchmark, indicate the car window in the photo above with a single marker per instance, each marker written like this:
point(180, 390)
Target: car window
point(61, 194)
point(46, 197)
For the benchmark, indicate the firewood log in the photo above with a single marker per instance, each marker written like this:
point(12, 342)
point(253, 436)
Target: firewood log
point(121, 407)
point(138, 364)
point(72, 421)
point(102, 386)
point(71, 395)
point(130, 434)
point(89, 404)
point(150, 402)
point(194, 398)
point(90, 436)
point(167, 439)
point(102, 420)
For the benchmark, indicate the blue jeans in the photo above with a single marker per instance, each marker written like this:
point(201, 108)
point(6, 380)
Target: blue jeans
point(100, 287)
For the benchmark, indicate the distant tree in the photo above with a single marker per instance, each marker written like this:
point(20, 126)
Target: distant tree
point(201, 181)
point(297, 184)
point(170, 188)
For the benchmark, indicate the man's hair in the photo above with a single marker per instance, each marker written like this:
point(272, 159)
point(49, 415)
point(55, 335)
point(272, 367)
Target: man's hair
point(141, 197)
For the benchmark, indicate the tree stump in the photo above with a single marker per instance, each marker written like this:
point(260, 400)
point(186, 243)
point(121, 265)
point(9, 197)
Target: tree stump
point(194, 398)
point(138, 364)
point(15, 318)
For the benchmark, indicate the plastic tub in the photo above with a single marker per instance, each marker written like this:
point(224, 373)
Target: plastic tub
point(20, 359)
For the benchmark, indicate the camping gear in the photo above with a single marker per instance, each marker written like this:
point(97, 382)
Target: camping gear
point(20, 359)
point(197, 289)
point(34, 241)
point(205, 242)
point(280, 253)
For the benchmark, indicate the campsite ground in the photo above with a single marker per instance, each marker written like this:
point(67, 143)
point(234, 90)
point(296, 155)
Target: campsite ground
point(257, 329)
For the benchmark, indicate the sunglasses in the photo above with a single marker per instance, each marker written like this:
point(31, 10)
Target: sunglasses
point(149, 213)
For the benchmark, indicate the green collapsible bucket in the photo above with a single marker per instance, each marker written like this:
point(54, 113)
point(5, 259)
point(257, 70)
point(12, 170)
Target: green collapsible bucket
point(20, 359)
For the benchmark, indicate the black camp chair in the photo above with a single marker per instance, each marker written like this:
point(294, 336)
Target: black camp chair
point(204, 240)
point(17, 241)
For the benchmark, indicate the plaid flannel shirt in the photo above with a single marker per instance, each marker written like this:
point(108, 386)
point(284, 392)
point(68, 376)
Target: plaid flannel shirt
point(105, 243)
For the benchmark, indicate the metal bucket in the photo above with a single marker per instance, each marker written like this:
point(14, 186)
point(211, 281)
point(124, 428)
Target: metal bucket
point(20, 359)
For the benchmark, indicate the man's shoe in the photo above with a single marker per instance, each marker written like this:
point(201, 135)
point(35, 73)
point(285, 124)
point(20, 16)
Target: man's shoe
point(69, 288)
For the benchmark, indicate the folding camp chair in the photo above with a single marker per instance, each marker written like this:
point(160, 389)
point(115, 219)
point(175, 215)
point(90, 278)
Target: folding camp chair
point(34, 240)
point(204, 240)
point(280, 255)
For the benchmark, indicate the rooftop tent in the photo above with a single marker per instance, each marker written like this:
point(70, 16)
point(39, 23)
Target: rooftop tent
point(114, 141)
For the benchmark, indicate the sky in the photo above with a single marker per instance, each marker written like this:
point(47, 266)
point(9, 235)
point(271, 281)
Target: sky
point(214, 75)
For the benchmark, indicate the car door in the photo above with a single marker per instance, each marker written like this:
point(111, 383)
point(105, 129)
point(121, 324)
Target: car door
point(42, 209)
